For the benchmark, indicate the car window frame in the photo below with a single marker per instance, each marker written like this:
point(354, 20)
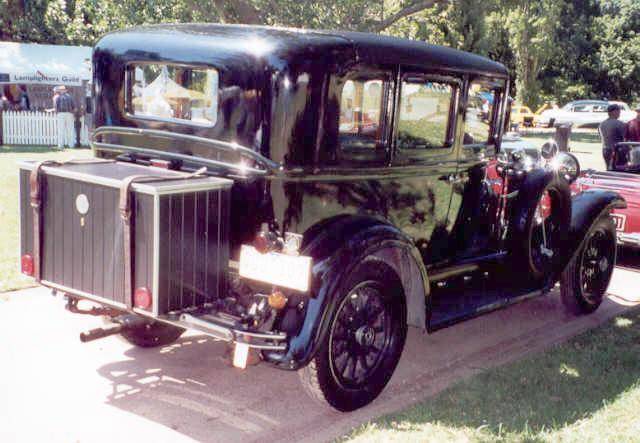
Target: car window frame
point(400, 155)
point(497, 85)
point(367, 156)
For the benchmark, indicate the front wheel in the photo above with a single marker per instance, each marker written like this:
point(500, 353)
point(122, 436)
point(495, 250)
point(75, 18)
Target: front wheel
point(587, 276)
point(364, 342)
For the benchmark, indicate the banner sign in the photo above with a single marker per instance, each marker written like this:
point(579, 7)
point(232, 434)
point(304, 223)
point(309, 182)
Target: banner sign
point(40, 78)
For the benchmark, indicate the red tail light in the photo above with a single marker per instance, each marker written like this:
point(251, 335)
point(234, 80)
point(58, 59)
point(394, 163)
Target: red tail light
point(142, 298)
point(26, 264)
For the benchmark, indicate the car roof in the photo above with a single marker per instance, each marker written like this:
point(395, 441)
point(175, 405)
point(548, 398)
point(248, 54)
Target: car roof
point(287, 43)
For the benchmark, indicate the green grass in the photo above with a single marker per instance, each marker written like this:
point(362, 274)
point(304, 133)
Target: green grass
point(585, 145)
point(586, 390)
point(10, 278)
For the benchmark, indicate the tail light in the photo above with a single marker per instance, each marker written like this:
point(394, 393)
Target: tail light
point(266, 241)
point(142, 298)
point(26, 265)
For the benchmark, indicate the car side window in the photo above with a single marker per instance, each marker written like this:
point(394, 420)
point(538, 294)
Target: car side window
point(362, 115)
point(424, 114)
point(481, 105)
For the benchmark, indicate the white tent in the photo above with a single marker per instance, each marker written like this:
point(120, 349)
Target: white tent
point(28, 63)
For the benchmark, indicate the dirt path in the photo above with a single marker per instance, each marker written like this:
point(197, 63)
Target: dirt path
point(55, 389)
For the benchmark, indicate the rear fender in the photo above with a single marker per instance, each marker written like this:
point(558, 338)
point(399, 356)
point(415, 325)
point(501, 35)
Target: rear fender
point(586, 208)
point(337, 246)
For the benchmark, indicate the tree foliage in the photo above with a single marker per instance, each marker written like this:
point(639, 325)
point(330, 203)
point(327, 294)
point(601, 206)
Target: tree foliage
point(555, 49)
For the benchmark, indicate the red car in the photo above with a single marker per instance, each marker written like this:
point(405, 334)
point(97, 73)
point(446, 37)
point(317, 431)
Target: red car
point(624, 179)
point(628, 186)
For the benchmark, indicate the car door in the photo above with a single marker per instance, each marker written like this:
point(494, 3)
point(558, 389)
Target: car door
point(473, 208)
point(423, 150)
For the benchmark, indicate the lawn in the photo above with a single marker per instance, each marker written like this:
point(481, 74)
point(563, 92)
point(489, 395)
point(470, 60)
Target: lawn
point(586, 390)
point(585, 145)
point(10, 278)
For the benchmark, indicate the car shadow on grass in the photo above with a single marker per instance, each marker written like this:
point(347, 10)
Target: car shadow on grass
point(541, 393)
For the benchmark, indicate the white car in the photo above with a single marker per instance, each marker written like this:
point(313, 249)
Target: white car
point(583, 113)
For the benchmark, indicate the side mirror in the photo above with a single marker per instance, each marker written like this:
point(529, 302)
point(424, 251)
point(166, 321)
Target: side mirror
point(567, 166)
point(549, 150)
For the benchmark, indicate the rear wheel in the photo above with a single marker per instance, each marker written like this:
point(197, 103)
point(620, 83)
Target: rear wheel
point(586, 278)
point(364, 342)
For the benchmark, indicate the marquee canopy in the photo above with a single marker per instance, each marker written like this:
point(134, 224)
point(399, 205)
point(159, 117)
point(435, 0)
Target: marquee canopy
point(28, 63)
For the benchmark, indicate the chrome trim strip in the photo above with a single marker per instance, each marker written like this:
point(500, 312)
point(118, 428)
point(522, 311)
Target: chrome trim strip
point(193, 184)
point(156, 254)
point(226, 146)
point(83, 294)
point(188, 158)
point(631, 237)
point(217, 331)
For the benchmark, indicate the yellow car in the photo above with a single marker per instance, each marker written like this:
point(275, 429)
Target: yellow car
point(522, 115)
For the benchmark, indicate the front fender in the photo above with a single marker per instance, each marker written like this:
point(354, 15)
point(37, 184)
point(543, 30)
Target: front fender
point(337, 246)
point(586, 208)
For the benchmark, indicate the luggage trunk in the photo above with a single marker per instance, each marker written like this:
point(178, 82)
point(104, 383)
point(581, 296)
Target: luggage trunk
point(179, 228)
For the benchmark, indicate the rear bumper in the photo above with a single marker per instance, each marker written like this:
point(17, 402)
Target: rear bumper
point(208, 323)
point(629, 239)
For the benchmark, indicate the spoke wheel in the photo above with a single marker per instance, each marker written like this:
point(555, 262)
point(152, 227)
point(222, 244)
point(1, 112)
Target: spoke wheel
point(544, 243)
point(361, 335)
point(597, 265)
point(364, 340)
point(585, 280)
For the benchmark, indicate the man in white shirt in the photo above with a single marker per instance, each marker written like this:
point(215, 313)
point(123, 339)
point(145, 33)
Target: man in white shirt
point(65, 106)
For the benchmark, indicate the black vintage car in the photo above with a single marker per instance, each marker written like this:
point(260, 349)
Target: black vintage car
point(305, 196)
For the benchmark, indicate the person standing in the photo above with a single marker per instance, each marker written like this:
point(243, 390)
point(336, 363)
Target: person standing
point(64, 106)
point(632, 130)
point(23, 101)
point(612, 132)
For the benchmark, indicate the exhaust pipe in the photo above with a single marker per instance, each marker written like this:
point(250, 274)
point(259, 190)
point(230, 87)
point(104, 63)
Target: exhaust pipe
point(121, 323)
point(95, 334)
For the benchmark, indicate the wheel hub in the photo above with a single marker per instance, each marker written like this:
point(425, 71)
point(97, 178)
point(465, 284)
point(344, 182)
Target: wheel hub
point(365, 335)
point(603, 264)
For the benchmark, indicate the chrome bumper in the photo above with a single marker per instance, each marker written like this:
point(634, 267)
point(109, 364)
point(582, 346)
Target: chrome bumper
point(217, 328)
point(209, 324)
point(629, 239)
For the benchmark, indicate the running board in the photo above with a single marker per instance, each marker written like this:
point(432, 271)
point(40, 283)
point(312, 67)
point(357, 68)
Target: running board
point(483, 309)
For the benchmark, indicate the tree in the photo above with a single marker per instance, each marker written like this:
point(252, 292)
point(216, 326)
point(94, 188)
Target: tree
point(618, 36)
point(531, 27)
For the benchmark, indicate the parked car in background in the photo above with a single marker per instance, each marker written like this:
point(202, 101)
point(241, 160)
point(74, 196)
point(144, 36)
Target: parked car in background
point(583, 113)
point(522, 115)
point(305, 196)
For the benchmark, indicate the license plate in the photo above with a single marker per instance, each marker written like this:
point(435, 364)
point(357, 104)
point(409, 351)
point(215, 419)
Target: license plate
point(241, 355)
point(619, 220)
point(289, 271)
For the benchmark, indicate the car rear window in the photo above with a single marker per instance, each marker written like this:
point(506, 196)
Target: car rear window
point(174, 93)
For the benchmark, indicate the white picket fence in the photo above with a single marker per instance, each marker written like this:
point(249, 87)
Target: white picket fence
point(34, 128)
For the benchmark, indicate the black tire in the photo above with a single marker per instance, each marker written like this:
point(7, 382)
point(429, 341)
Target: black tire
point(546, 235)
point(552, 122)
point(364, 342)
point(585, 279)
point(152, 334)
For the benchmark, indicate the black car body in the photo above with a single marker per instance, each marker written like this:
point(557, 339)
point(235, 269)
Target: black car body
point(359, 159)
